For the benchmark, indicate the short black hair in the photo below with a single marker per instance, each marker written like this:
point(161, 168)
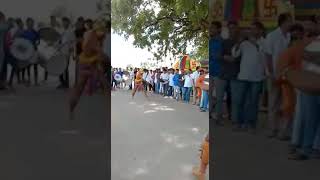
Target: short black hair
point(283, 18)
point(218, 24)
point(29, 19)
point(65, 19)
point(297, 27)
point(2, 15)
point(18, 20)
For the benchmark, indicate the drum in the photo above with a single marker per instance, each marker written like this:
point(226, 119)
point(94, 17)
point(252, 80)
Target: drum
point(118, 77)
point(23, 52)
point(313, 50)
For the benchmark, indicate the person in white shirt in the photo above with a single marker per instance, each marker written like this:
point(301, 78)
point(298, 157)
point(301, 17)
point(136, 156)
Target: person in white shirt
point(164, 78)
point(249, 83)
point(188, 84)
point(195, 76)
point(276, 42)
point(171, 83)
point(68, 44)
point(150, 80)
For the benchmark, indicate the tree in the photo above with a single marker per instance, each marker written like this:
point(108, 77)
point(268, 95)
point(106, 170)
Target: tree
point(168, 26)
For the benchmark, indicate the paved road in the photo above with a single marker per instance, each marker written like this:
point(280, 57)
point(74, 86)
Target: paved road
point(156, 139)
point(32, 146)
point(256, 157)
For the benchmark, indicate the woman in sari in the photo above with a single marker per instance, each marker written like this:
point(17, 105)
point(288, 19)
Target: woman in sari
point(91, 63)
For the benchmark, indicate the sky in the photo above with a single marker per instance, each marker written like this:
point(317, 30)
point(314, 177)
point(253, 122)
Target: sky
point(123, 52)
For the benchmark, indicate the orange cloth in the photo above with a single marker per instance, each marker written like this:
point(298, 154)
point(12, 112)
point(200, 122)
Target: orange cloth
point(205, 152)
point(138, 80)
point(200, 80)
point(292, 57)
point(91, 49)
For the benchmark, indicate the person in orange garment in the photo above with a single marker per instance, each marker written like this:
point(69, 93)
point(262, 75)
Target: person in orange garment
point(200, 172)
point(91, 62)
point(290, 57)
point(138, 84)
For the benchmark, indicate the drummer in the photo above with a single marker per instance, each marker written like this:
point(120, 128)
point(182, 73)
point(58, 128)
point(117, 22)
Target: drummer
point(291, 71)
point(68, 39)
point(16, 32)
point(33, 36)
point(90, 64)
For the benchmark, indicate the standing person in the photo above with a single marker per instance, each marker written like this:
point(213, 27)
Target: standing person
point(203, 86)
point(157, 81)
point(10, 59)
point(276, 42)
point(79, 33)
point(246, 89)
point(3, 31)
point(150, 81)
point(215, 54)
point(229, 69)
point(188, 84)
point(171, 83)
point(33, 36)
point(54, 24)
point(67, 41)
point(16, 33)
point(91, 62)
point(164, 78)
point(195, 76)
point(176, 83)
point(290, 70)
point(288, 95)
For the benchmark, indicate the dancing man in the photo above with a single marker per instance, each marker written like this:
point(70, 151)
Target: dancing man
point(91, 63)
point(139, 84)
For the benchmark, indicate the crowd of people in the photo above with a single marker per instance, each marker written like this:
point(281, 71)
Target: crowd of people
point(251, 61)
point(182, 85)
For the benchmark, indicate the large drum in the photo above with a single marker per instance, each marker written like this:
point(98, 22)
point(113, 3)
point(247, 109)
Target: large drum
point(50, 52)
point(52, 59)
point(23, 52)
point(313, 50)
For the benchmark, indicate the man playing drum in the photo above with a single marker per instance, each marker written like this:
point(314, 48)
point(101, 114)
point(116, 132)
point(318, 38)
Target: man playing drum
point(67, 39)
point(33, 36)
point(292, 70)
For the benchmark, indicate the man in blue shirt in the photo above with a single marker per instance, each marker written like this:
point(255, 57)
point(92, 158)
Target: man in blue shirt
point(33, 36)
point(177, 84)
point(215, 54)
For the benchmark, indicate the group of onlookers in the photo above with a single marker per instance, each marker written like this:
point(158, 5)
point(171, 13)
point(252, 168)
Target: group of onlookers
point(182, 85)
point(251, 61)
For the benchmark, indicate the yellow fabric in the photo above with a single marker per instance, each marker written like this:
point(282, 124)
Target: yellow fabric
point(83, 59)
point(138, 79)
